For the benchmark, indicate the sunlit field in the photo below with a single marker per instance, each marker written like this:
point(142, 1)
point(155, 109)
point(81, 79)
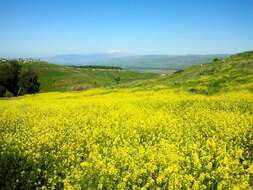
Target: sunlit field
point(126, 139)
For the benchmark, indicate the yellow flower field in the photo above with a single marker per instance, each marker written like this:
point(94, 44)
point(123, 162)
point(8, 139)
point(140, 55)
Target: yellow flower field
point(126, 139)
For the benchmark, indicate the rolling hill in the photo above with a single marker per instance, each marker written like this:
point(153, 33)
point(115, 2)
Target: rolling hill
point(64, 78)
point(221, 75)
point(228, 74)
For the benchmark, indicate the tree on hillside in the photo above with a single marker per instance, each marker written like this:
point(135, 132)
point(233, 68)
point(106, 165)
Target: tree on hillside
point(14, 71)
point(216, 59)
point(2, 90)
point(9, 72)
point(2, 80)
point(13, 79)
point(117, 79)
point(28, 82)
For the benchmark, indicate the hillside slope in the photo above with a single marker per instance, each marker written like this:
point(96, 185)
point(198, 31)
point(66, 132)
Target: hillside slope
point(63, 78)
point(229, 74)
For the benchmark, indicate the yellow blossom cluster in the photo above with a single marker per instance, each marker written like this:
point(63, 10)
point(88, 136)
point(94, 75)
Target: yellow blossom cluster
point(126, 139)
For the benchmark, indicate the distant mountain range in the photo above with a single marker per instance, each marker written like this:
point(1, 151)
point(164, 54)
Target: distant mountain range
point(134, 61)
point(83, 59)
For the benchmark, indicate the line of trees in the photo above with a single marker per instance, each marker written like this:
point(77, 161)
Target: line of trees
point(96, 67)
point(15, 80)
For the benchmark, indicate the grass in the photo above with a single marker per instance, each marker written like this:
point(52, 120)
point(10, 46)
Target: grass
point(62, 78)
point(225, 75)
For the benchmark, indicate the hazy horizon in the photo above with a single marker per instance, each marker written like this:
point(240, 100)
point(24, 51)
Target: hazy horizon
point(108, 53)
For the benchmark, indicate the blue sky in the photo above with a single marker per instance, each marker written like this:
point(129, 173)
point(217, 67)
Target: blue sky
point(40, 28)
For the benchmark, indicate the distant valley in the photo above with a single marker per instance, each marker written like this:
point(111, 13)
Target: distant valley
point(156, 63)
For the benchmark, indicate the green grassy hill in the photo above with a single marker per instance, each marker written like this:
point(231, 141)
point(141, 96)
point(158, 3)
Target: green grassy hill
point(63, 78)
point(229, 74)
